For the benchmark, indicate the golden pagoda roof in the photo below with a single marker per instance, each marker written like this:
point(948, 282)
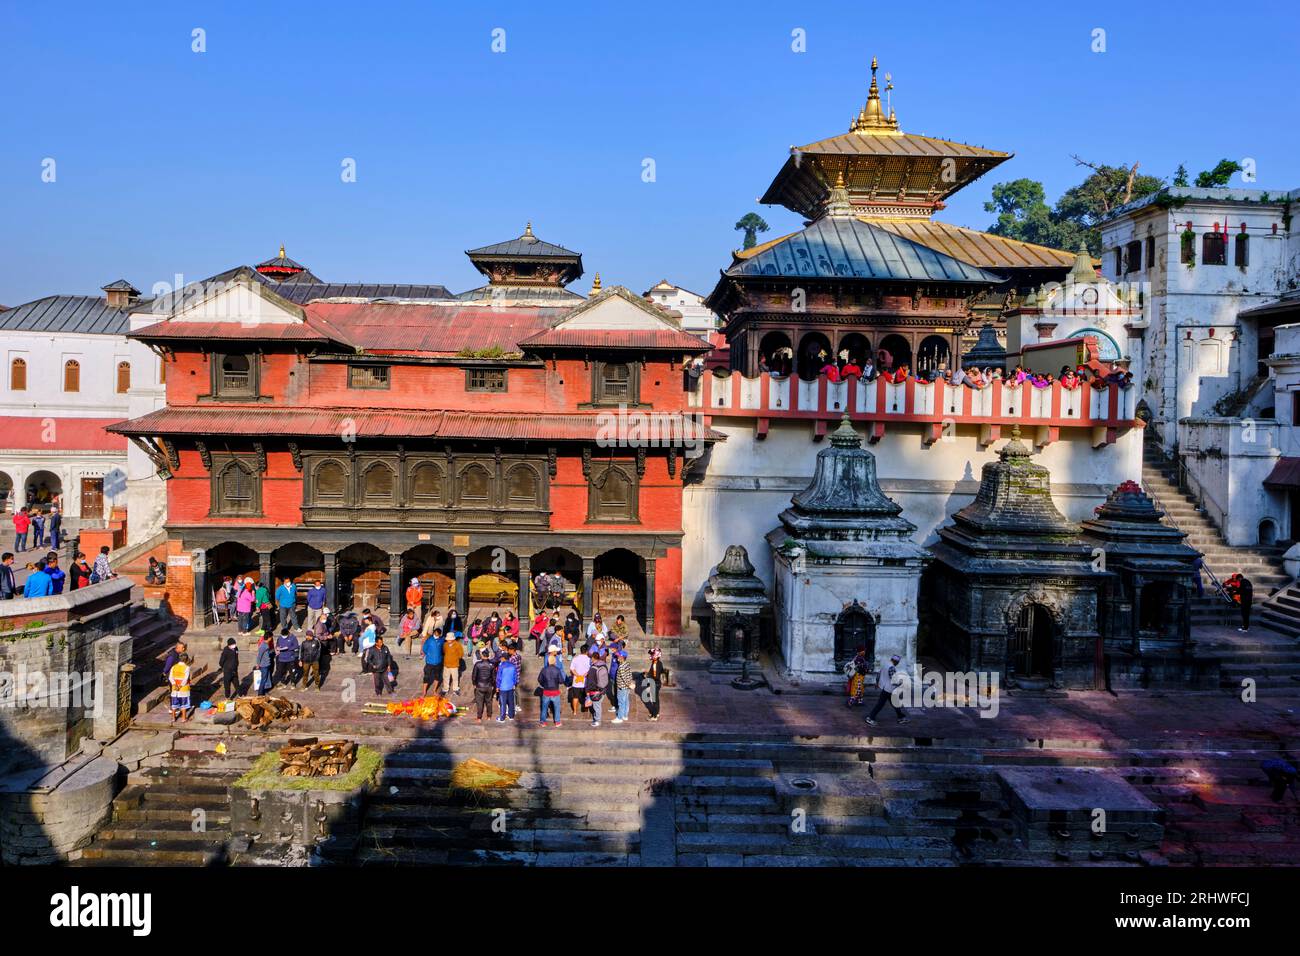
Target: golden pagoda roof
point(882, 166)
point(982, 249)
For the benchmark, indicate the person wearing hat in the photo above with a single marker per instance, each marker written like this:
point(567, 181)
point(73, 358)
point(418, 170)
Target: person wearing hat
point(887, 680)
point(229, 664)
point(452, 652)
point(623, 689)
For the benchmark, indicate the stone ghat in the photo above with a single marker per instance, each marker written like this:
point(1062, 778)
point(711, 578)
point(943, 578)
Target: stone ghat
point(733, 799)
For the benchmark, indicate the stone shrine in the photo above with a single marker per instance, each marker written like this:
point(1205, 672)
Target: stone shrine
point(846, 570)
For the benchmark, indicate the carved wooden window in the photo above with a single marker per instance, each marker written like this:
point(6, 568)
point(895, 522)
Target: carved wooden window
point(123, 377)
point(72, 376)
point(236, 487)
point(475, 485)
point(485, 380)
point(234, 376)
point(523, 488)
point(426, 483)
point(612, 493)
point(1241, 250)
point(18, 375)
point(614, 383)
point(330, 484)
point(368, 376)
point(377, 484)
point(1214, 249)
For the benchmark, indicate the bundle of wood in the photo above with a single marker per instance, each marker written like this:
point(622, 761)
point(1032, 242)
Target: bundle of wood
point(260, 711)
point(309, 757)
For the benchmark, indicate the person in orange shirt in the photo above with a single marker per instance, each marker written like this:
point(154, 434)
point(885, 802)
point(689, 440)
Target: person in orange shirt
point(415, 596)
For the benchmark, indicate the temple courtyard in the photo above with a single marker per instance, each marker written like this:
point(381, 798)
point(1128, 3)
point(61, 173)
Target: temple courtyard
point(782, 775)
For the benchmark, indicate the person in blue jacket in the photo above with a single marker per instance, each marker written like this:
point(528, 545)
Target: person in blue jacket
point(286, 596)
point(38, 583)
point(507, 680)
point(286, 657)
point(56, 573)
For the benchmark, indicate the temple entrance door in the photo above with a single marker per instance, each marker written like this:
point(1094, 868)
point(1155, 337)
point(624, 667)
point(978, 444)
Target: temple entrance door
point(92, 499)
point(1032, 649)
point(854, 629)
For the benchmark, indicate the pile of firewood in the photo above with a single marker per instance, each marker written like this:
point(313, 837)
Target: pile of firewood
point(309, 757)
point(260, 711)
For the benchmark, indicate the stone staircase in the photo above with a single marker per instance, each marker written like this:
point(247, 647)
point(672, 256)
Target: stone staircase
point(1281, 612)
point(651, 797)
point(1262, 565)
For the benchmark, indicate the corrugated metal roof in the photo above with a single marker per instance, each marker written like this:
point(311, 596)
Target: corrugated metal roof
point(260, 332)
point(390, 423)
point(303, 292)
point(848, 248)
point(522, 294)
point(670, 339)
point(437, 329)
point(82, 314)
point(900, 144)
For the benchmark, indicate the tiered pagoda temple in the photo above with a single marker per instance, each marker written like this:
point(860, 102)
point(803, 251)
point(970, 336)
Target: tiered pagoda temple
point(873, 269)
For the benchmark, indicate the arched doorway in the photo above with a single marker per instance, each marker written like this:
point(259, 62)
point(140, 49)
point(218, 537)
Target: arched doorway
point(899, 349)
point(231, 559)
point(362, 576)
point(1031, 651)
point(492, 577)
point(42, 488)
point(7, 502)
point(436, 570)
point(855, 630)
point(858, 347)
point(814, 353)
point(1159, 608)
point(777, 353)
point(302, 564)
point(934, 353)
point(618, 586)
point(568, 567)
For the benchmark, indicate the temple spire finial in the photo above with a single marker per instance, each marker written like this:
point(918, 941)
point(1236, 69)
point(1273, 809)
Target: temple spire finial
point(595, 286)
point(528, 230)
point(872, 117)
point(282, 250)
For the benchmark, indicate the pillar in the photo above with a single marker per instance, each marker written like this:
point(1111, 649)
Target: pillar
point(264, 569)
point(649, 596)
point(525, 582)
point(331, 569)
point(395, 590)
point(588, 572)
point(202, 597)
point(462, 588)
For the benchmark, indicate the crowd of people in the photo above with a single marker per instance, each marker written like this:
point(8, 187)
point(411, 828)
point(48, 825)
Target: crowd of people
point(46, 577)
point(882, 365)
point(588, 668)
point(43, 526)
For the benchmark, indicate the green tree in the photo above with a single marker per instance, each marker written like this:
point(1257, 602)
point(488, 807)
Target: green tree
point(752, 223)
point(1180, 175)
point(1219, 175)
point(1023, 214)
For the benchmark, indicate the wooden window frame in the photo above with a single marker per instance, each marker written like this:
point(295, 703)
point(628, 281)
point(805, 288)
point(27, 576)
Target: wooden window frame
point(313, 487)
point(412, 497)
point(14, 365)
point(599, 386)
point(221, 463)
point(1133, 256)
point(516, 504)
point(1218, 240)
point(1241, 250)
point(123, 367)
point(221, 391)
point(495, 385)
point(73, 366)
point(372, 370)
point(598, 471)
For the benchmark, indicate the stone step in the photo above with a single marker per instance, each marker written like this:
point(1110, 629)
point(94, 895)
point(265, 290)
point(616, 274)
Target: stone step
point(785, 844)
point(419, 856)
point(131, 853)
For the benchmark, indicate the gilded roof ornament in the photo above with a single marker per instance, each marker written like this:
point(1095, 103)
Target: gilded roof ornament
point(871, 118)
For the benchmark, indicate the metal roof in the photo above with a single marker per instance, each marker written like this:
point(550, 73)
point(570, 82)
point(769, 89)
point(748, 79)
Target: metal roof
point(526, 247)
point(82, 314)
point(390, 423)
point(302, 292)
point(437, 329)
point(651, 339)
point(981, 249)
point(847, 248)
point(522, 295)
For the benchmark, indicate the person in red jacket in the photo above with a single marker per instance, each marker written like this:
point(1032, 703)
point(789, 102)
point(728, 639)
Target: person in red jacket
point(22, 522)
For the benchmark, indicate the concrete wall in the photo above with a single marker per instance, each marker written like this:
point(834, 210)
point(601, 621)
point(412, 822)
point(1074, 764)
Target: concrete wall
point(1225, 462)
point(748, 483)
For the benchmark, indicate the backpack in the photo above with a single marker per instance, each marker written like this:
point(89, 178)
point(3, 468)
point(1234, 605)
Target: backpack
point(380, 627)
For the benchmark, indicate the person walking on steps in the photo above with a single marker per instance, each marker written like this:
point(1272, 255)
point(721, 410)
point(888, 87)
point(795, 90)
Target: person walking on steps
point(888, 679)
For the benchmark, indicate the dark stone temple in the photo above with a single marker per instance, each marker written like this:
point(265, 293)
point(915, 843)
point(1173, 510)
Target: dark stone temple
point(1146, 612)
point(1014, 588)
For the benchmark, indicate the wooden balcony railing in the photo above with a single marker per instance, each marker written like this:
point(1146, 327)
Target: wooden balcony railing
point(935, 406)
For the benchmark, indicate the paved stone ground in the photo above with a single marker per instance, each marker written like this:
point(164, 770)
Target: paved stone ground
point(700, 704)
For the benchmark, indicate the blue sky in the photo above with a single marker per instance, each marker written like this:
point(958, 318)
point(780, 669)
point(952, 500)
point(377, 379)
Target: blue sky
point(170, 161)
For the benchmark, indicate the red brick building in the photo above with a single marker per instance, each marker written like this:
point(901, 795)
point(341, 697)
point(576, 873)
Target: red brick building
point(474, 441)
